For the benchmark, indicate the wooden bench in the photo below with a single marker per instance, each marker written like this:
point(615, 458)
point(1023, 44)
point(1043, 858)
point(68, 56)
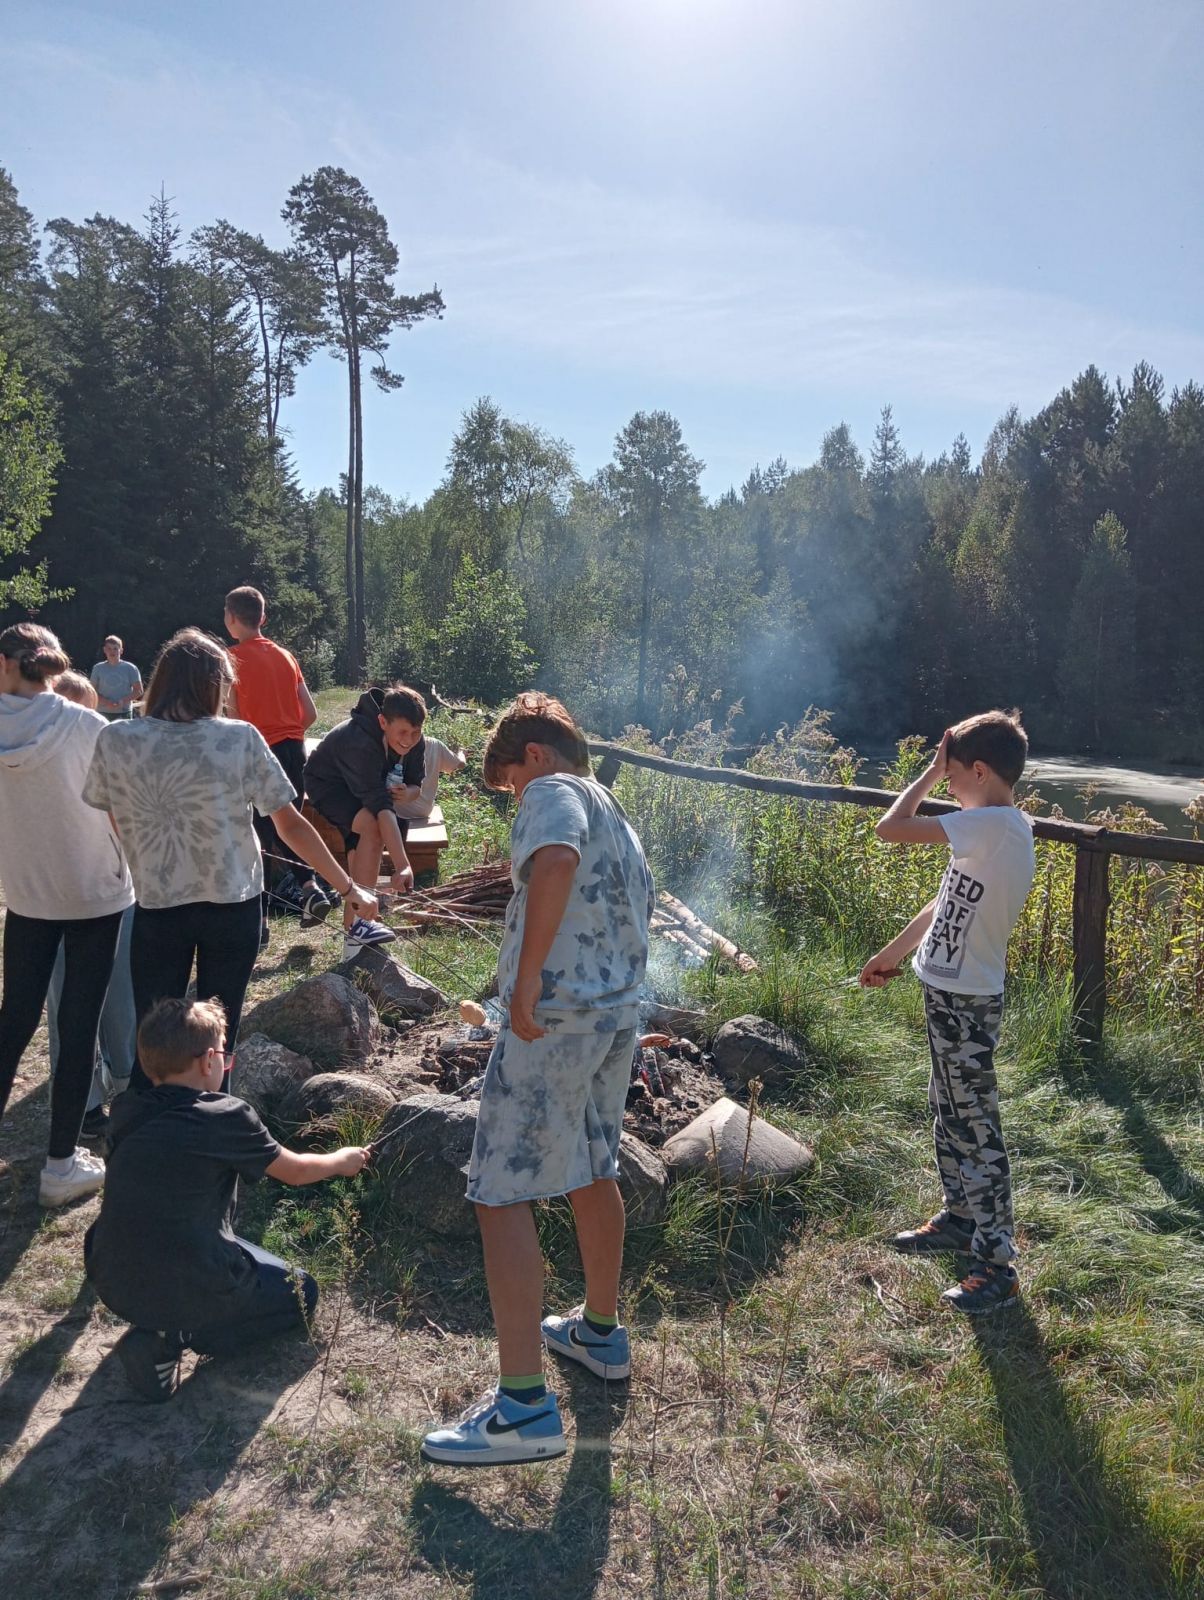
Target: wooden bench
point(423, 844)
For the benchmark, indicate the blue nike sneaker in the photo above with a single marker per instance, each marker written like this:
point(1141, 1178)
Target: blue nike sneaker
point(570, 1336)
point(499, 1431)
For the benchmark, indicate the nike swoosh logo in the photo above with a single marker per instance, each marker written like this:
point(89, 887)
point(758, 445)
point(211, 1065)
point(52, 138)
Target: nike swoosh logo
point(493, 1427)
point(587, 1344)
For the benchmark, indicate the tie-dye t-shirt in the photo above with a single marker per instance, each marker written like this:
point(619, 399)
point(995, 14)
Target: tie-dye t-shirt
point(181, 795)
point(595, 968)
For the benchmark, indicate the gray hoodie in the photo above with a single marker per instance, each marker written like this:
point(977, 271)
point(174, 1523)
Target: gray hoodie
point(59, 859)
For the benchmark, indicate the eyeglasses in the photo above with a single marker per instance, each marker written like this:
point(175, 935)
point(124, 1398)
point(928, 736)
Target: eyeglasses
point(227, 1060)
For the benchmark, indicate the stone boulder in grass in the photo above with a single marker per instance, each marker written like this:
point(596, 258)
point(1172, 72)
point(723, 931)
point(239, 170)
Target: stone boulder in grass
point(268, 1075)
point(392, 985)
point(643, 1182)
point(752, 1047)
point(326, 1017)
point(328, 1096)
point(765, 1156)
point(425, 1143)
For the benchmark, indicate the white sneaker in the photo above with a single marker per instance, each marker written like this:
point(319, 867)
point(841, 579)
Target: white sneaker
point(499, 1431)
point(362, 933)
point(84, 1176)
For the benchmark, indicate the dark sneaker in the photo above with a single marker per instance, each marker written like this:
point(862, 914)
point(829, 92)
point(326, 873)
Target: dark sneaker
point(288, 896)
point(984, 1288)
point(499, 1432)
point(605, 1355)
point(316, 904)
point(95, 1124)
point(151, 1362)
point(941, 1232)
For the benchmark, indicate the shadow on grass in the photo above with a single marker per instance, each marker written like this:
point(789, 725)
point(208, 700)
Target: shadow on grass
point(1108, 1079)
point(566, 1558)
point(1088, 1529)
point(92, 1507)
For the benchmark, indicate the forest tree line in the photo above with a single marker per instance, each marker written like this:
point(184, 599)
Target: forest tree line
point(144, 469)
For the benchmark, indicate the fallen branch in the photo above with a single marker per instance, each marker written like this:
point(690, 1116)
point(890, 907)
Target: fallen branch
point(704, 935)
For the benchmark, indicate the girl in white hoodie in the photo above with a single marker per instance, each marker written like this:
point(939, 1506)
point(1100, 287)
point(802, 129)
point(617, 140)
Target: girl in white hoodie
point(65, 883)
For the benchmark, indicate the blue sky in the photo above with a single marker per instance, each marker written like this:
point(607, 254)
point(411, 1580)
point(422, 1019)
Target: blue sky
point(766, 216)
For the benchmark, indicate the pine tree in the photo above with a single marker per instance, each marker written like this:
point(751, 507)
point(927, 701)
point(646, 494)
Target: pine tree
point(344, 240)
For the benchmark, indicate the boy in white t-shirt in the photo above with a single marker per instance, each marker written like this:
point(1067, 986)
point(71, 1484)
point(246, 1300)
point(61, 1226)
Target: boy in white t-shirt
point(416, 802)
point(960, 941)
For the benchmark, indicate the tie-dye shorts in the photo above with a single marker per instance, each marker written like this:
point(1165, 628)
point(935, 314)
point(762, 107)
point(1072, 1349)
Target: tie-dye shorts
point(551, 1115)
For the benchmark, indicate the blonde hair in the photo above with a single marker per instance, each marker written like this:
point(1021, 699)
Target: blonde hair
point(74, 686)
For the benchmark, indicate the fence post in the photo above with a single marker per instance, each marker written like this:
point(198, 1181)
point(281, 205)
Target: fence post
point(1090, 943)
point(608, 770)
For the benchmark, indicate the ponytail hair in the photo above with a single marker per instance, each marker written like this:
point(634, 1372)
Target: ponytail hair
point(190, 678)
point(36, 651)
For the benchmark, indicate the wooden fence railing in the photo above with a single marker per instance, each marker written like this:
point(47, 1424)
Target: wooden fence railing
point(1093, 846)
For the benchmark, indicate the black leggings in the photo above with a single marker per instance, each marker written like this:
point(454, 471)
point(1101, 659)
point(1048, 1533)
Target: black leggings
point(222, 939)
point(31, 945)
point(291, 755)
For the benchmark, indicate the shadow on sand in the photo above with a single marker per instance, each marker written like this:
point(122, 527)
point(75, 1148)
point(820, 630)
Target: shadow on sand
point(92, 1507)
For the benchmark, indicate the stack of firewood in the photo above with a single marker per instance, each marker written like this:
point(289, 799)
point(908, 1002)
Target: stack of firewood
point(479, 895)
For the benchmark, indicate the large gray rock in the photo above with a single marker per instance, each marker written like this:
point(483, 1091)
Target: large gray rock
point(766, 1156)
point(752, 1047)
point(392, 985)
point(643, 1181)
point(329, 1095)
point(268, 1074)
point(327, 1017)
point(426, 1141)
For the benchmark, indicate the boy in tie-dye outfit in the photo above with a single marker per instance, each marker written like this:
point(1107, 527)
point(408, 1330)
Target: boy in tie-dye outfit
point(570, 970)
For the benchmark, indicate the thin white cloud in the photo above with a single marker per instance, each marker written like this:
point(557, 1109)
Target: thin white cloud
point(596, 278)
point(604, 278)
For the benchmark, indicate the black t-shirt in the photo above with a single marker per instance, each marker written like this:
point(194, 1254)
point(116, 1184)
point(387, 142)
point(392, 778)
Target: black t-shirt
point(162, 1253)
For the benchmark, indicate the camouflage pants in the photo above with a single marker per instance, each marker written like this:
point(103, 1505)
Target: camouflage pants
point(963, 1030)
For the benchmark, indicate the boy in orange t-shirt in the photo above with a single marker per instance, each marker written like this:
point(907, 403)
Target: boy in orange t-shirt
point(271, 694)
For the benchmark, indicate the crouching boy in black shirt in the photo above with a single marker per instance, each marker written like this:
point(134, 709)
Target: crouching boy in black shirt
point(163, 1253)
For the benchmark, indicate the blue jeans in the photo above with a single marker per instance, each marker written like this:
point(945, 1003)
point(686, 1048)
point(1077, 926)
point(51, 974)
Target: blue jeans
point(285, 1298)
point(118, 1024)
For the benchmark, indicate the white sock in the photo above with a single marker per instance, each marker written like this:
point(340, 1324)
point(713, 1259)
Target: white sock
point(60, 1166)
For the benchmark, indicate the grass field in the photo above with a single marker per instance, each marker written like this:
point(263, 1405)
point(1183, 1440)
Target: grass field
point(804, 1419)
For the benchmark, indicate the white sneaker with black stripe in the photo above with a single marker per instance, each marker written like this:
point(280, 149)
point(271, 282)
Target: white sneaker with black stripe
point(499, 1431)
point(605, 1355)
point(362, 933)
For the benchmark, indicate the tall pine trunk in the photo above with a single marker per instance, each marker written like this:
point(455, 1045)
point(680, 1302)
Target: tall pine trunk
point(349, 569)
point(361, 621)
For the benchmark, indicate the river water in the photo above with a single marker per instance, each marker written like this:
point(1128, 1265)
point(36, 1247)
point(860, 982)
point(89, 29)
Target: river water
point(1162, 792)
